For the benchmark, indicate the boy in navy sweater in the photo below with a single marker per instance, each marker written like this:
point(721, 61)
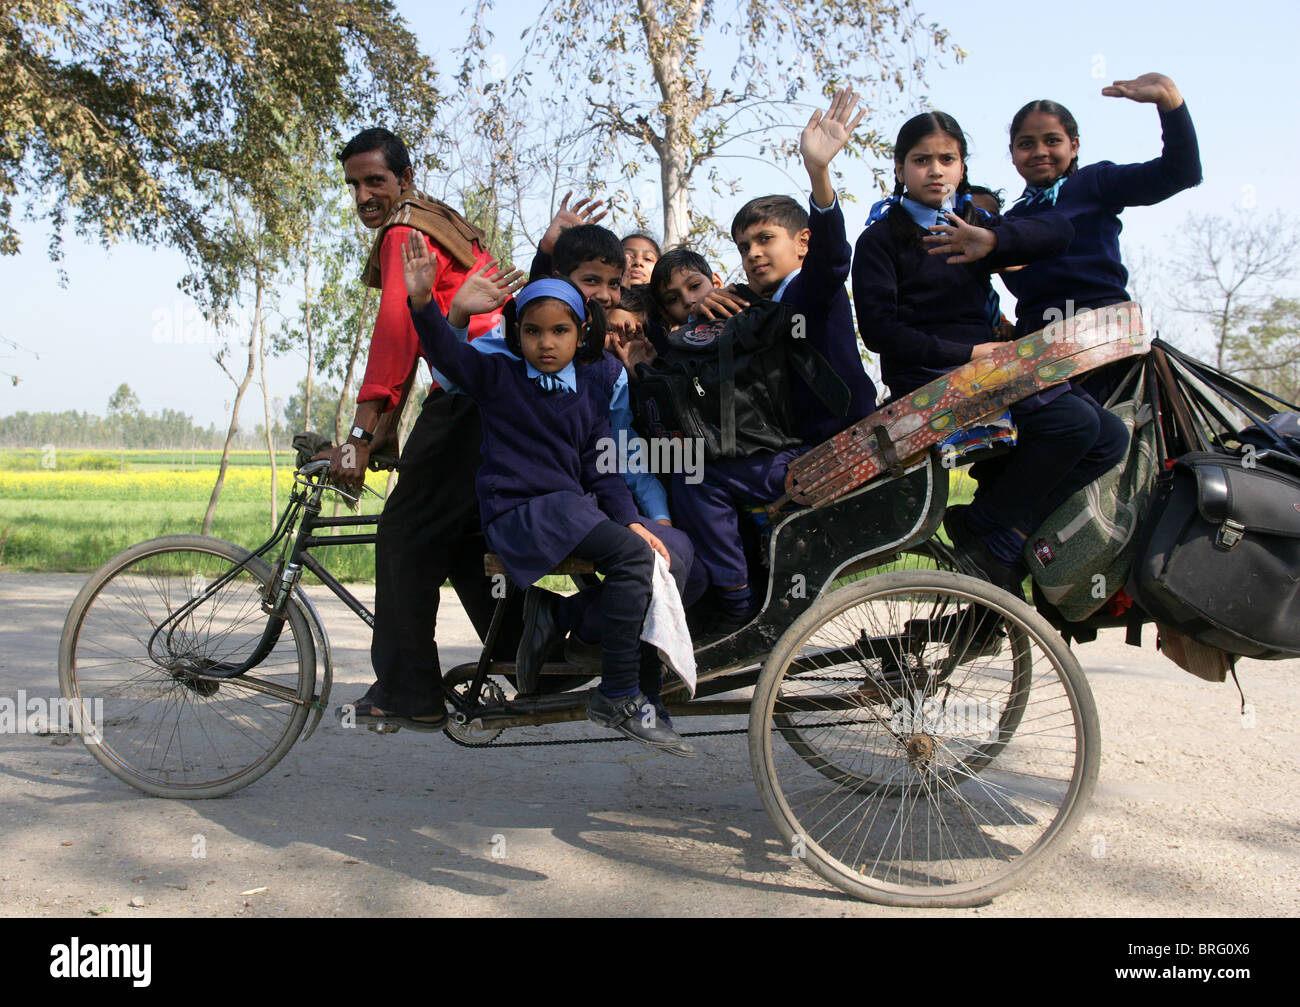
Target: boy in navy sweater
point(801, 259)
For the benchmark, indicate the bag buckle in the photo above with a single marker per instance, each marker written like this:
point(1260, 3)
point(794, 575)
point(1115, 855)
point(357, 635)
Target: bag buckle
point(1230, 533)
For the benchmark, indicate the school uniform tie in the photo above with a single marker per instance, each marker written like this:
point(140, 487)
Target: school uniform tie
point(1042, 194)
point(550, 383)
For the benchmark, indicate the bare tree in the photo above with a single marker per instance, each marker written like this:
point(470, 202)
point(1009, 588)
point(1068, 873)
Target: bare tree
point(1144, 275)
point(1228, 268)
point(1269, 353)
point(651, 102)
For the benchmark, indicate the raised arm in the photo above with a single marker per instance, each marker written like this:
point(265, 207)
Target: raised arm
point(823, 138)
point(1179, 165)
point(582, 212)
point(829, 258)
point(467, 368)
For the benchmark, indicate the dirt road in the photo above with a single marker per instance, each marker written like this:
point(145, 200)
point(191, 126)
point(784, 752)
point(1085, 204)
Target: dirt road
point(1195, 813)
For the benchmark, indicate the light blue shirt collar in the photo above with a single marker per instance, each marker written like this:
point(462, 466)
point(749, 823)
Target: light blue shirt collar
point(926, 216)
point(776, 295)
point(568, 376)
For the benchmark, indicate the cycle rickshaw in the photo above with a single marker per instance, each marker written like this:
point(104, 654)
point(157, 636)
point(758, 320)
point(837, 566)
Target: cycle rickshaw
point(918, 736)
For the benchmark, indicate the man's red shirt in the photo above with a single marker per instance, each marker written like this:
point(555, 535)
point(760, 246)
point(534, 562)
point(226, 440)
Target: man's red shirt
point(394, 346)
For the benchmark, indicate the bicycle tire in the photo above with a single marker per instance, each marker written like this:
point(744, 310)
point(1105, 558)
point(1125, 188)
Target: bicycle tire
point(144, 645)
point(891, 683)
point(956, 805)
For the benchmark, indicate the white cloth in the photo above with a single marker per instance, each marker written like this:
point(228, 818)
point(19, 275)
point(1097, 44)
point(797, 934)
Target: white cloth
point(665, 625)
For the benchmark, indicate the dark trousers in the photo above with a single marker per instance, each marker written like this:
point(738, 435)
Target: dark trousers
point(1062, 446)
point(708, 511)
point(627, 563)
point(428, 533)
point(580, 612)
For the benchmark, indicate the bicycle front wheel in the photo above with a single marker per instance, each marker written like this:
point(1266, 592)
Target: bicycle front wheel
point(143, 656)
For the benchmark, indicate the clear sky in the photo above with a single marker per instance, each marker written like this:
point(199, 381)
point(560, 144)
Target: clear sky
point(1235, 65)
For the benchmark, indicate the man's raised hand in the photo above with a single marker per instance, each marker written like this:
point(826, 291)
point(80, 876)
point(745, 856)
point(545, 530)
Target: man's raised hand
point(582, 212)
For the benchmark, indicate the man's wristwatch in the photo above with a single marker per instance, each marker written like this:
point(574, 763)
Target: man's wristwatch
point(362, 435)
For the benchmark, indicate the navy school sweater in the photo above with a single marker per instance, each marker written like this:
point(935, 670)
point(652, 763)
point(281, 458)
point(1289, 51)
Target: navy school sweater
point(534, 442)
point(818, 293)
point(923, 315)
point(1090, 271)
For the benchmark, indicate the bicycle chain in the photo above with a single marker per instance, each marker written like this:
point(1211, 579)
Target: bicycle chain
point(602, 741)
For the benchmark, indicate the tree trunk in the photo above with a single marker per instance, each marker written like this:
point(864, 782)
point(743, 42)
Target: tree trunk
point(306, 295)
point(672, 180)
point(1225, 322)
point(266, 401)
point(240, 388)
point(346, 395)
point(667, 49)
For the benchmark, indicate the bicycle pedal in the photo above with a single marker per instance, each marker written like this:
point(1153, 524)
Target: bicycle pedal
point(384, 728)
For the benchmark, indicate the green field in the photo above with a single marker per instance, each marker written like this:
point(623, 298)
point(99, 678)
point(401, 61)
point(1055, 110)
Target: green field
point(79, 513)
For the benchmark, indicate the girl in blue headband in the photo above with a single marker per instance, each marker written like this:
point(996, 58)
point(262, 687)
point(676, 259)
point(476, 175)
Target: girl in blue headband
point(542, 495)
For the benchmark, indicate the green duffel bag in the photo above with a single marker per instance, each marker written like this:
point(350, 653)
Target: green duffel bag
point(1082, 554)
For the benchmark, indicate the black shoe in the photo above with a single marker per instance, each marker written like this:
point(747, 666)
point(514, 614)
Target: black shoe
point(661, 711)
point(637, 718)
point(954, 523)
point(974, 558)
point(541, 633)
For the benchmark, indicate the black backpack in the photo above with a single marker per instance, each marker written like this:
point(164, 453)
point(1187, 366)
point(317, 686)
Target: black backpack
point(1219, 559)
point(1218, 555)
point(729, 382)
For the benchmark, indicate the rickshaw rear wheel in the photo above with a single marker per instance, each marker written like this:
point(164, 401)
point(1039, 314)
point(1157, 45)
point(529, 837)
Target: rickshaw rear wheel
point(946, 787)
point(890, 678)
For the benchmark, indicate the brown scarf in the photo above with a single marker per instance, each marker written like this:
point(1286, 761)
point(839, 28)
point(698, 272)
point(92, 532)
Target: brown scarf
point(434, 218)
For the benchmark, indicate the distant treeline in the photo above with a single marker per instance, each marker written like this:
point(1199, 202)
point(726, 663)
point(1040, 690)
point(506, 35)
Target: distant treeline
point(167, 429)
